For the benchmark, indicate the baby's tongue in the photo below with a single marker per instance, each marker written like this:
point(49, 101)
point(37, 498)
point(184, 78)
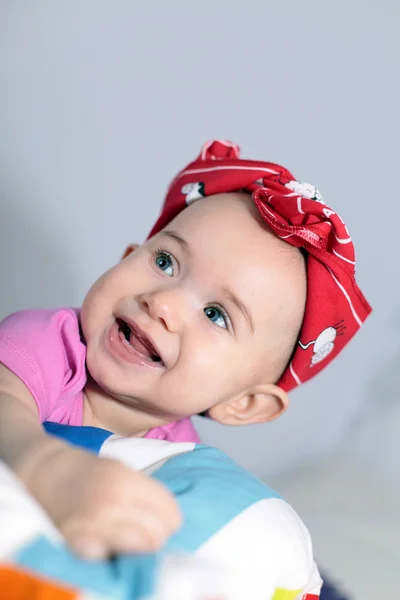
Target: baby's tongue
point(139, 345)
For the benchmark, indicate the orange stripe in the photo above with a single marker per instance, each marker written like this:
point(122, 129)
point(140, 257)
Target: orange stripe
point(19, 585)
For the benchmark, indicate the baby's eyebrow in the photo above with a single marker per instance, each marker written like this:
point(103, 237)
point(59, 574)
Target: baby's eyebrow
point(183, 243)
point(241, 306)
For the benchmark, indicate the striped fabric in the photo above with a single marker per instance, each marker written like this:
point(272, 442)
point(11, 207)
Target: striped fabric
point(239, 537)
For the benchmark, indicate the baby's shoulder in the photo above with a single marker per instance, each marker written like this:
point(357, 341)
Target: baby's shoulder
point(44, 348)
point(41, 324)
point(43, 315)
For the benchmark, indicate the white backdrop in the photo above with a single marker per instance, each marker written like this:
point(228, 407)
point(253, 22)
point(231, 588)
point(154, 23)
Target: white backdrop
point(102, 101)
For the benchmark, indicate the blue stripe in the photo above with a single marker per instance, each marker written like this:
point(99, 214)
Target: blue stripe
point(211, 490)
point(123, 578)
point(90, 438)
point(209, 486)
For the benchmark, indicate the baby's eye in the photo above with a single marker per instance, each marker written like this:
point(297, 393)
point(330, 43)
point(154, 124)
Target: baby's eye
point(217, 316)
point(164, 262)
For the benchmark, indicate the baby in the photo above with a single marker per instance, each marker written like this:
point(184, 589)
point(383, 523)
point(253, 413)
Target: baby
point(244, 289)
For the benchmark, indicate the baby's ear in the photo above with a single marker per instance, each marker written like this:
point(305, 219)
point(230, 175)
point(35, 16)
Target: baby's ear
point(259, 405)
point(129, 249)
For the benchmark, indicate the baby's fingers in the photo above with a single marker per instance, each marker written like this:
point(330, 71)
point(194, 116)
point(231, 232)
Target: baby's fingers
point(158, 500)
point(140, 531)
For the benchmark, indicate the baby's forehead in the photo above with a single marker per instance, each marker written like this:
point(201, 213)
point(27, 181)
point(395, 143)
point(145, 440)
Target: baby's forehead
point(232, 221)
point(220, 215)
point(224, 204)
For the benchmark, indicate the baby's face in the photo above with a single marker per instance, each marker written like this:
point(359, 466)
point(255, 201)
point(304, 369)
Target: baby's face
point(198, 313)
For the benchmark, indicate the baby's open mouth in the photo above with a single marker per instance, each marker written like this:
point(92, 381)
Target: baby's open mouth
point(138, 341)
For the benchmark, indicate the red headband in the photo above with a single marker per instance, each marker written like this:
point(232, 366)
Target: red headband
point(296, 212)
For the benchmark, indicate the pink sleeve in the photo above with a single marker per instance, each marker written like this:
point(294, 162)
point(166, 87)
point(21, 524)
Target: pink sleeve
point(178, 431)
point(43, 348)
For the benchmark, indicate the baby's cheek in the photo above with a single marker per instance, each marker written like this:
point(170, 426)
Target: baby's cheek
point(207, 373)
point(190, 390)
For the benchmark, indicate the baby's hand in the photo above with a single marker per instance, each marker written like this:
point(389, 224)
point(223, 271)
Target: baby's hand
point(101, 506)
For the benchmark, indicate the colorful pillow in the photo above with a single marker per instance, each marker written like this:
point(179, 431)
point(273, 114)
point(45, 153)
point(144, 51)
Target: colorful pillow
point(238, 533)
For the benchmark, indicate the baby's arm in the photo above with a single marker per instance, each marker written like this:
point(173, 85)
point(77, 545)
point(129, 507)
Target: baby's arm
point(99, 505)
point(22, 439)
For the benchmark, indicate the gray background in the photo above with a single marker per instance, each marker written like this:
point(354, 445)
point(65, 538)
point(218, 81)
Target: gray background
point(101, 102)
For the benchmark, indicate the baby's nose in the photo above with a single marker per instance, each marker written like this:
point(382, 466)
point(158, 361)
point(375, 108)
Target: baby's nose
point(167, 306)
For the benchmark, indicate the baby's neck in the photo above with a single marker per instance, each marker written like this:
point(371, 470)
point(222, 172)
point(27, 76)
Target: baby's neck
point(103, 411)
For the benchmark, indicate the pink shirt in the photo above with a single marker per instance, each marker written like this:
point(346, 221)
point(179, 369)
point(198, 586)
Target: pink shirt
point(45, 349)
